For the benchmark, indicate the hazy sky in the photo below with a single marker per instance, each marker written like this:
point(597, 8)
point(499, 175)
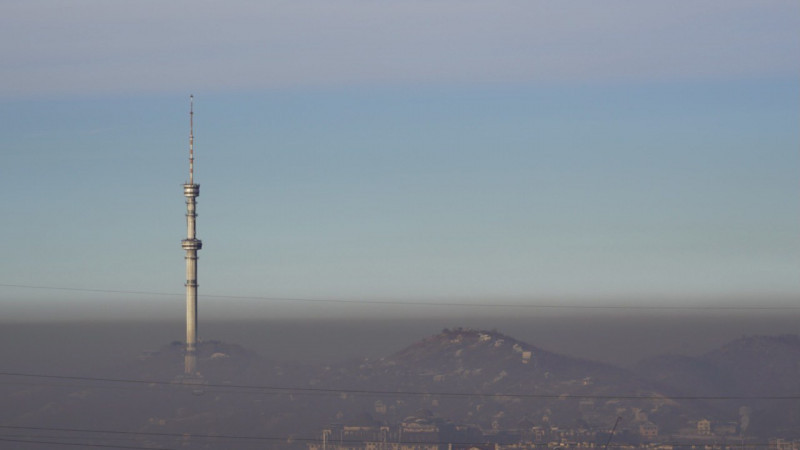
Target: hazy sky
point(467, 151)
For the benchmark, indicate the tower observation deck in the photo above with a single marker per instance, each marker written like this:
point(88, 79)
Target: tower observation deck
point(191, 245)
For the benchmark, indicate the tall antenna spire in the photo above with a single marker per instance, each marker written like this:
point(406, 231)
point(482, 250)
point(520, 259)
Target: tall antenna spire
point(191, 139)
point(191, 244)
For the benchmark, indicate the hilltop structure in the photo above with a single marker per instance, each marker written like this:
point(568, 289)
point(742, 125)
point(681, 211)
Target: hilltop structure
point(191, 245)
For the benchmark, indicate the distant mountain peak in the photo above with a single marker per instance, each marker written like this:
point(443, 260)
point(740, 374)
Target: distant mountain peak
point(758, 343)
point(468, 346)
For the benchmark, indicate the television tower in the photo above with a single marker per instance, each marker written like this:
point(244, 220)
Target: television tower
point(191, 244)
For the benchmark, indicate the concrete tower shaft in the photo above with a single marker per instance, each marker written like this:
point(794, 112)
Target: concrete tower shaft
point(191, 245)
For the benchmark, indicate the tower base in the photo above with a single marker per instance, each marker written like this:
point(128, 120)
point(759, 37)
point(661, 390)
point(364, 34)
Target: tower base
point(190, 360)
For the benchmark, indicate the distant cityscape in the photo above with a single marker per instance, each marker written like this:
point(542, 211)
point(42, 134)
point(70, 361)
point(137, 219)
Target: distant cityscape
point(459, 389)
point(424, 431)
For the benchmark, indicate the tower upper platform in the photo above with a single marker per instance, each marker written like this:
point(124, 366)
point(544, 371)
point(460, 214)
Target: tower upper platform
point(191, 190)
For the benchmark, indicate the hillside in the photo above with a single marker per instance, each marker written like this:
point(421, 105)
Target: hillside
point(751, 366)
point(467, 376)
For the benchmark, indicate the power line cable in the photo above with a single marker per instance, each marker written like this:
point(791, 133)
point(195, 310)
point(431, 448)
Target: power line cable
point(328, 391)
point(49, 434)
point(424, 303)
point(151, 433)
point(276, 438)
point(75, 444)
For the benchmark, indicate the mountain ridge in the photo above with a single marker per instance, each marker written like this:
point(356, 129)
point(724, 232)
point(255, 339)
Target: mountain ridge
point(466, 375)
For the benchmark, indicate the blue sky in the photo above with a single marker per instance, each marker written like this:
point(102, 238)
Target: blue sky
point(456, 151)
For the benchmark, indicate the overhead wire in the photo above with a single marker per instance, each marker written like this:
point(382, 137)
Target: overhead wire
point(423, 303)
point(150, 433)
point(82, 444)
point(239, 437)
point(336, 391)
